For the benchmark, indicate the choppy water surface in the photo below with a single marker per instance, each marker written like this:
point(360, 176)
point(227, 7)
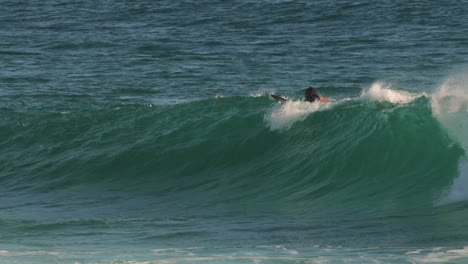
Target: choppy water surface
point(143, 132)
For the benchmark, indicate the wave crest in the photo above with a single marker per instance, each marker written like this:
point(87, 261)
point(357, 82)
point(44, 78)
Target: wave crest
point(383, 92)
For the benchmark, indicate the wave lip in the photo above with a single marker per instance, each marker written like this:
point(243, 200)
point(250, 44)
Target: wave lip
point(283, 116)
point(382, 92)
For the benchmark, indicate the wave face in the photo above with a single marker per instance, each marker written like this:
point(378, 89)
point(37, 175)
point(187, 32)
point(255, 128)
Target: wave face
point(354, 156)
point(316, 174)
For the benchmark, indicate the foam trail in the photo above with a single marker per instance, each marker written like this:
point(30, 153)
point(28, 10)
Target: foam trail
point(450, 106)
point(283, 116)
point(382, 92)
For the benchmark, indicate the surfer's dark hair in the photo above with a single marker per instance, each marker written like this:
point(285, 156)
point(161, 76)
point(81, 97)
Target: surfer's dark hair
point(311, 94)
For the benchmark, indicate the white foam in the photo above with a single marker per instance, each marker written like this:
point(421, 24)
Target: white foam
point(326, 254)
point(438, 255)
point(283, 116)
point(382, 92)
point(224, 254)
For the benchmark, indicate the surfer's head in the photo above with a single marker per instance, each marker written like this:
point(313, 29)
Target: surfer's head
point(311, 94)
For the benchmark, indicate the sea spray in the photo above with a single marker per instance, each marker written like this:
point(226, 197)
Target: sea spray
point(450, 106)
point(458, 191)
point(283, 116)
point(383, 92)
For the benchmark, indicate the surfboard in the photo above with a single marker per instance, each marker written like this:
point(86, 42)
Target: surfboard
point(278, 98)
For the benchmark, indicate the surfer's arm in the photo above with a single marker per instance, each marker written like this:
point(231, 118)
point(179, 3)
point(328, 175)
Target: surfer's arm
point(323, 99)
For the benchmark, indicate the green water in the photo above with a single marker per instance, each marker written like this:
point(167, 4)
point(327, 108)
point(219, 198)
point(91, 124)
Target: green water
point(143, 132)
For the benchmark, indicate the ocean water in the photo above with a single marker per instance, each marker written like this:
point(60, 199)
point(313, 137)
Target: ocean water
point(143, 132)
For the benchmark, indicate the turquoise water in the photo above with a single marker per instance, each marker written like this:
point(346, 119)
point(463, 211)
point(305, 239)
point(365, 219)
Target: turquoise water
point(143, 132)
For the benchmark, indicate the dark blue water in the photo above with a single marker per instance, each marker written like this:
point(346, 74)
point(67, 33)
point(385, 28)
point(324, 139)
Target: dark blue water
point(143, 132)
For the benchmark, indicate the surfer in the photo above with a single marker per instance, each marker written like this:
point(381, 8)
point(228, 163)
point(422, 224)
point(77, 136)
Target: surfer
point(312, 95)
